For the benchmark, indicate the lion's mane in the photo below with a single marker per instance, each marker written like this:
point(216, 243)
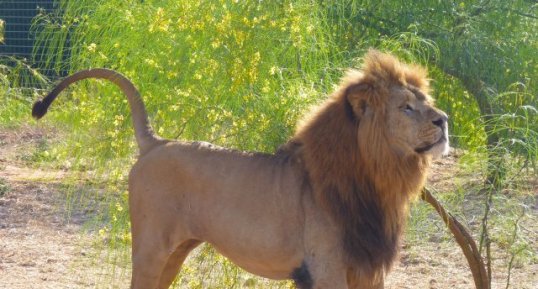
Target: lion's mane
point(351, 170)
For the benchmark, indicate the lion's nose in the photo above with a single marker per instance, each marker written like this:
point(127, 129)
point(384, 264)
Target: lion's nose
point(441, 121)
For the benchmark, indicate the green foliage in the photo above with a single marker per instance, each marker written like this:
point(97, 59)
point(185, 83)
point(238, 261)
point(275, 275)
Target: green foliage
point(206, 70)
point(19, 85)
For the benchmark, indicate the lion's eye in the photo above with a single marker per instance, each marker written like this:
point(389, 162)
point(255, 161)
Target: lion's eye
point(408, 109)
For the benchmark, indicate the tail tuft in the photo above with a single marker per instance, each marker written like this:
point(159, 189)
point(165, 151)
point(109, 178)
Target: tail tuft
point(39, 109)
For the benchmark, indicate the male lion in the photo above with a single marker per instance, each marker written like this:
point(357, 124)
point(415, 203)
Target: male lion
point(326, 210)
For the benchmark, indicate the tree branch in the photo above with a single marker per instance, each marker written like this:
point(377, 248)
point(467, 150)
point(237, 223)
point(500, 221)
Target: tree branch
point(464, 240)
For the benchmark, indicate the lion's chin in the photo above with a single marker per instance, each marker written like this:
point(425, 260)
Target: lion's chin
point(435, 150)
point(439, 149)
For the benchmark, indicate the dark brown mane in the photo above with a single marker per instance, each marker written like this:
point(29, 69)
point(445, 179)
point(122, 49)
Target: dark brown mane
point(354, 175)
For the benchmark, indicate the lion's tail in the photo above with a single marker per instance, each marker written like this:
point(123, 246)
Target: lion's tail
point(145, 136)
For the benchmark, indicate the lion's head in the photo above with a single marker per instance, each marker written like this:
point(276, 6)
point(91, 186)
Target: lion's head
point(366, 152)
point(392, 98)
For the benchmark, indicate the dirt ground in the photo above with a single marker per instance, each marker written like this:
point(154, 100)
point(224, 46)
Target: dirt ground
point(41, 248)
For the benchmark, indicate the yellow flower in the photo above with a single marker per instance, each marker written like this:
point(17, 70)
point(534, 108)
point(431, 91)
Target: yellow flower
point(160, 12)
point(126, 238)
point(103, 231)
point(150, 62)
point(92, 47)
point(118, 119)
point(119, 208)
point(215, 44)
point(295, 27)
point(171, 74)
point(257, 57)
point(159, 22)
point(129, 16)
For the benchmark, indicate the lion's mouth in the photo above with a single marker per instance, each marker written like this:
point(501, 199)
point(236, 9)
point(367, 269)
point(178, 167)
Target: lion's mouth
point(426, 148)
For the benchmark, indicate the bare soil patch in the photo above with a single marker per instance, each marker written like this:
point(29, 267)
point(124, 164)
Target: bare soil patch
point(38, 245)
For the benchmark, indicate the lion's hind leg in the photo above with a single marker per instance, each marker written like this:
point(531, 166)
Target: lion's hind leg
point(148, 265)
point(155, 266)
point(173, 265)
point(159, 247)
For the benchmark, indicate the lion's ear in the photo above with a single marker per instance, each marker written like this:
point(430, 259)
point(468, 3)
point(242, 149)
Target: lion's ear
point(357, 98)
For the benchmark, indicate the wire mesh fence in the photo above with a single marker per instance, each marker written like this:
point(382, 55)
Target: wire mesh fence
point(19, 33)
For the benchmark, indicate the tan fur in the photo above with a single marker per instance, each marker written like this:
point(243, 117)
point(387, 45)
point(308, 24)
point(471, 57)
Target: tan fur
point(326, 210)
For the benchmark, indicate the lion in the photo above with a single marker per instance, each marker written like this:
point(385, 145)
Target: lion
point(326, 210)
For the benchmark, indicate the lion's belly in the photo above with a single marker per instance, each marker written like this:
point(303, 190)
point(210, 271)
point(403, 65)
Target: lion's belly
point(269, 264)
point(260, 230)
